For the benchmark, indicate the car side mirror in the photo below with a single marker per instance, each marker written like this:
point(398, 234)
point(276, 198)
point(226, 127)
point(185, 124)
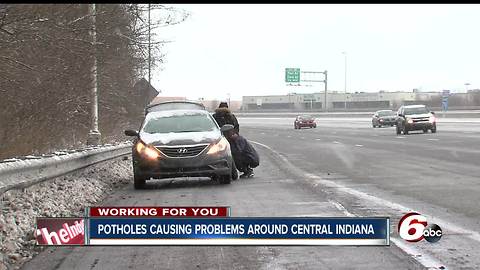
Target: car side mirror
point(432, 112)
point(131, 132)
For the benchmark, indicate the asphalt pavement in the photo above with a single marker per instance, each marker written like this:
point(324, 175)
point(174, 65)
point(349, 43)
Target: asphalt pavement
point(341, 168)
point(373, 171)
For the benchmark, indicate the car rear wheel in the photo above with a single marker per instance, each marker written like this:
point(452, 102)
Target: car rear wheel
point(138, 181)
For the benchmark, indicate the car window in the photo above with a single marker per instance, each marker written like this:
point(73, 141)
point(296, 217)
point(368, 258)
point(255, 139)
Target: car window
point(386, 113)
point(418, 110)
point(179, 123)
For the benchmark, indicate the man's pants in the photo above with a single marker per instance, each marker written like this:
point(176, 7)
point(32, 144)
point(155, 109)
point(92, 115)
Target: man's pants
point(243, 162)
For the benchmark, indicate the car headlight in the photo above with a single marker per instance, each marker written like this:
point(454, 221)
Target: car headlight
point(148, 151)
point(410, 120)
point(218, 147)
point(431, 119)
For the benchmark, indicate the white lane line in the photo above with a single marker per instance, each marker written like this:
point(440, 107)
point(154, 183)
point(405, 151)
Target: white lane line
point(433, 139)
point(474, 235)
point(289, 136)
point(422, 258)
point(400, 137)
point(263, 133)
point(359, 145)
point(302, 138)
point(335, 142)
point(318, 139)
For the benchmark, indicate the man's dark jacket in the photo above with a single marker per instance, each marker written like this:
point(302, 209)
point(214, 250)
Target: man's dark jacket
point(225, 116)
point(242, 149)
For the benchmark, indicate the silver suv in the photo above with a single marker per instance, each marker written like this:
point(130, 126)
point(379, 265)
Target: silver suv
point(415, 117)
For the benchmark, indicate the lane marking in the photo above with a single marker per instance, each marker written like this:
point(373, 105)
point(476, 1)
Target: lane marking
point(400, 137)
point(336, 142)
point(433, 139)
point(318, 139)
point(289, 136)
point(302, 138)
point(422, 258)
point(474, 235)
point(359, 145)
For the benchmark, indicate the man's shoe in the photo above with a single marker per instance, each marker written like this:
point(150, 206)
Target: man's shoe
point(248, 174)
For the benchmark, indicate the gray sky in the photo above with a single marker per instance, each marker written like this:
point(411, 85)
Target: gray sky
point(244, 49)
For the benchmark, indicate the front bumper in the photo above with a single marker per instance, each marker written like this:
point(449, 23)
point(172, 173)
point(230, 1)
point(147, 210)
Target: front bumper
point(420, 126)
point(387, 122)
point(201, 166)
point(306, 124)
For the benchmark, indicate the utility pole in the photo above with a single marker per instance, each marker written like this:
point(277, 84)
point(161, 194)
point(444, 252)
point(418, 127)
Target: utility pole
point(149, 56)
point(325, 90)
point(345, 54)
point(94, 135)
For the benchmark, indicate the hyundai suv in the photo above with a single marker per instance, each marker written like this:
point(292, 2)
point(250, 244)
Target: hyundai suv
point(177, 143)
point(415, 117)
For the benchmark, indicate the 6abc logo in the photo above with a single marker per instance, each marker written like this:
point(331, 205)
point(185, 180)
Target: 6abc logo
point(413, 227)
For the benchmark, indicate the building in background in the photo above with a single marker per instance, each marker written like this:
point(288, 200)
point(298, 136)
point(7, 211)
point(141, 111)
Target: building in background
point(211, 105)
point(338, 101)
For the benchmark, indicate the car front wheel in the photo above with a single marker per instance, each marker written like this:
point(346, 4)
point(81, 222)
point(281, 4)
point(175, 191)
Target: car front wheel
point(398, 131)
point(139, 181)
point(234, 171)
point(225, 179)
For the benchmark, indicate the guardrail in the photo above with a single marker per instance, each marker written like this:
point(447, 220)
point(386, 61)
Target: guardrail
point(18, 173)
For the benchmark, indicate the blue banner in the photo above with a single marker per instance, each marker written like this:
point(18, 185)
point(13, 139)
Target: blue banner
point(240, 228)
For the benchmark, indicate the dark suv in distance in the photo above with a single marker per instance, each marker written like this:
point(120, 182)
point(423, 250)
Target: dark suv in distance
point(178, 143)
point(304, 121)
point(384, 118)
point(415, 117)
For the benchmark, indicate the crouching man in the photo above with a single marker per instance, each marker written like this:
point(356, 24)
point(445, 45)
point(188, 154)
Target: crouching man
point(244, 155)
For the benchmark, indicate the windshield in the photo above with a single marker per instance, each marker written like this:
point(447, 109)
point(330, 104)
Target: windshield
point(386, 113)
point(418, 110)
point(305, 117)
point(179, 123)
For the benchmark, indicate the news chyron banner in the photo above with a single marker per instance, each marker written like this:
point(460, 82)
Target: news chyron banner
point(208, 226)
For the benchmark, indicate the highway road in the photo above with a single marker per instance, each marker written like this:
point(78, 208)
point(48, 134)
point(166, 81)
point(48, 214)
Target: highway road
point(344, 167)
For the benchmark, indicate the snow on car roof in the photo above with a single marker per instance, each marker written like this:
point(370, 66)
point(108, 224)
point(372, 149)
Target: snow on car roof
point(170, 113)
point(414, 106)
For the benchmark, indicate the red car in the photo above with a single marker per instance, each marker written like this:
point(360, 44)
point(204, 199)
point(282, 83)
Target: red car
point(304, 121)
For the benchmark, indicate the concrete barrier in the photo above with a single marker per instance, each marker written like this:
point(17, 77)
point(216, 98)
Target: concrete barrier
point(24, 173)
point(448, 114)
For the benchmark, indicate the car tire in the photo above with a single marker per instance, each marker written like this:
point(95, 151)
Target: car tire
point(434, 129)
point(425, 130)
point(139, 181)
point(315, 126)
point(405, 130)
point(234, 171)
point(225, 179)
